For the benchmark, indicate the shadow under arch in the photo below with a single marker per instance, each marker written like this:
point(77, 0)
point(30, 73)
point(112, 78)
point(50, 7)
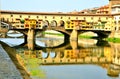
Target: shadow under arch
point(102, 43)
point(100, 33)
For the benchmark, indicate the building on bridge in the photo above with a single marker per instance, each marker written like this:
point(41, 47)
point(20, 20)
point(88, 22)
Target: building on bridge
point(53, 19)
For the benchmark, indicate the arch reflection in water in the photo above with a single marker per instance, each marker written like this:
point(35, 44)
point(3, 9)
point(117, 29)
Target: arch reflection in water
point(49, 42)
point(102, 56)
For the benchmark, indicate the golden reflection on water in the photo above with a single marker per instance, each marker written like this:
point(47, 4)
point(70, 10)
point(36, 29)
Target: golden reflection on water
point(105, 56)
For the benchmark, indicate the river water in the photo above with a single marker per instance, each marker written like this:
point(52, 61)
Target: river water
point(54, 59)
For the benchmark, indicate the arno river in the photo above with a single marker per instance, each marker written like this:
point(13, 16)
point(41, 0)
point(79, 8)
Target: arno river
point(89, 59)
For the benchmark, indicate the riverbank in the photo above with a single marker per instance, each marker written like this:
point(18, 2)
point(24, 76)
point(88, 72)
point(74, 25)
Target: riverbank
point(17, 62)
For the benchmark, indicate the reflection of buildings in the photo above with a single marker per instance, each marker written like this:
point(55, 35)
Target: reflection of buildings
point(107, 57)
point(86, 55)
point(32, 54)
point(116, 53)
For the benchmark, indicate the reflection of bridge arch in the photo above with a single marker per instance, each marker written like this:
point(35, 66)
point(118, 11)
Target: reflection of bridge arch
point(52, 55)
point(45, 55)
point(61, 54)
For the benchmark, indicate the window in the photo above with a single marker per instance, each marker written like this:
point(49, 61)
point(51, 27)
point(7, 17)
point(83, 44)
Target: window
point(45, 17)
point(68, 17)
point(11, 15)
point(91, 18)
point(106, 18)
point(84, 18)
point(28, 16)
point(37, 16)
point(20, 16)
point(53, 17)
point(99, 18)
point(61, 17)
point(76, 17)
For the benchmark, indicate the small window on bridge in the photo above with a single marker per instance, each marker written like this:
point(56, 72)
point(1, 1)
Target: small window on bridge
point(22, 26)
point(11, 15)
point(53, 17)
point(39, 25)
point(106, 18)
point(20, 16)
point(68, 17)
point(76, 17)
point(91, 18)
point(37, 16)
point(84, 18)
point(61, 17)
point(45, 17)
point(28, 16)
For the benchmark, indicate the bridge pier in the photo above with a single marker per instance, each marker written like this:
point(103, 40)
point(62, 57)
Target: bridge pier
point(74, 44)
point(31, 39)
point(74, 35)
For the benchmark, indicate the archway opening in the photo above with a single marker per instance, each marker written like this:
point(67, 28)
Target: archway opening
point(61, 23)
point(87, 39)
point(87, 35)
point(50, 38)
point(14, 34)
point(45, 24)
point(53, 23)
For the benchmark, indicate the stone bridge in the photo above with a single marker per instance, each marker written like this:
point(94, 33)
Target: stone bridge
point(71, 25)
point(69, 34)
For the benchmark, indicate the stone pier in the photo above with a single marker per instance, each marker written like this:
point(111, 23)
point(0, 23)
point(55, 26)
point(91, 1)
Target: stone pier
point(31, 39)
point(74, 35)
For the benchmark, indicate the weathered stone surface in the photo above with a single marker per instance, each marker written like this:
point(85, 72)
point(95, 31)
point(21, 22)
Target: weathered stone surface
point(7, 68)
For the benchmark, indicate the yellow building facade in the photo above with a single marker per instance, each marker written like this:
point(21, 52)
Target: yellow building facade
point(54, 19)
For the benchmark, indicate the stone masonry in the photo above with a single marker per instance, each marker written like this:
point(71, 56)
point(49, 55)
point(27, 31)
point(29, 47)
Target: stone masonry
point(7, 68)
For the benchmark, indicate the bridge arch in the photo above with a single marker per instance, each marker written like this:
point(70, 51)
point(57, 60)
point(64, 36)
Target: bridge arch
point(45, 23)
point(89, 33)
point(61, 54)
point(98, 33)
point(53, 23)
point(61, 23)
